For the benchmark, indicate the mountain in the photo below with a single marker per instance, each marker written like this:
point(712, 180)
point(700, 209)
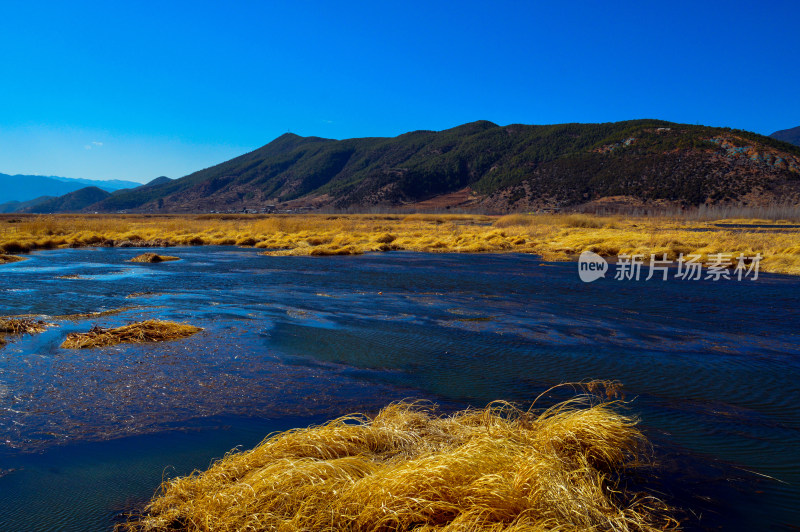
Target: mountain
point(72, 202)
point(791, 136)
point(505, 168)
point(16, 206)
point(27, 187)
point(157, 181)
point(500, 168)
point(108, 185)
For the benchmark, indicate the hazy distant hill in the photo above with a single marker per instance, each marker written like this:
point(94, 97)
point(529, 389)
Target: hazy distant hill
point(157, 181)
point(15, 206)
point(788, 135)
point(72, 202)
point(105, 184)
point(27, 187)
point(502, 168)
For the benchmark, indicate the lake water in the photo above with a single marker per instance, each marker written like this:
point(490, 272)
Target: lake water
point(712, 368)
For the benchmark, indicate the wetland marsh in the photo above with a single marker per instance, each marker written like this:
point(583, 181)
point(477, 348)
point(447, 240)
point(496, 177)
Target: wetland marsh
point(710, 368)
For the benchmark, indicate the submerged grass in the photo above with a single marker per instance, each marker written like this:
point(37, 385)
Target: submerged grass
point(553, 236)
point(408, 468)
point(135, 333)
point(98, 314)
point(19, 326)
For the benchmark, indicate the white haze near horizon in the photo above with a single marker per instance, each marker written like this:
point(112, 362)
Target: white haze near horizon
point(105, 156)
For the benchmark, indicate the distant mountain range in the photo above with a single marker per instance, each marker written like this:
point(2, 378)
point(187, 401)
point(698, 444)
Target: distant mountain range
point(788, 135)
point(72, 202)
point(105, 184)
point(77, 199)
point(21, 206)
point(481, 164)
point(21, 188)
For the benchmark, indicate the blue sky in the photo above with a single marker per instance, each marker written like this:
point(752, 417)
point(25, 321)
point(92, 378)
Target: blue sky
point(134, 90)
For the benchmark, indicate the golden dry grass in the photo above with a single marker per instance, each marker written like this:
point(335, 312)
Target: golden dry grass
point(153, 258)
point(135, 333)
point(495, 469)
point(21, 325)
point(553, 236)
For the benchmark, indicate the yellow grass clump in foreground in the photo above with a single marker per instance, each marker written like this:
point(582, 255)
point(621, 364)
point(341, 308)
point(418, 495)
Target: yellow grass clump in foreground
point(407, 468)
point(553, 236)
point(135, 333)
point(153, 258)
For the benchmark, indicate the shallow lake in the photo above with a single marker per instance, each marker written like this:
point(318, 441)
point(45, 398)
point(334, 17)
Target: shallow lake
point(711, 368)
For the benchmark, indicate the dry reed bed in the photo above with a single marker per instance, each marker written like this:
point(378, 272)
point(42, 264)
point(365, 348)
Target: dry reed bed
point(135, 333)
point(408, 468)
point(553, 236)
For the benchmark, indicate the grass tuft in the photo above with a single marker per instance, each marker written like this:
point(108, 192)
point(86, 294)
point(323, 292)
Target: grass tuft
point(153, 258)
point(19, 326)
point(408, 468)
point(333, 250)
point(7, 259)
point(135, 333)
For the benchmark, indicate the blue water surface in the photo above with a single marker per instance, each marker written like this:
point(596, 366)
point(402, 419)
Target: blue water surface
point(712, 368)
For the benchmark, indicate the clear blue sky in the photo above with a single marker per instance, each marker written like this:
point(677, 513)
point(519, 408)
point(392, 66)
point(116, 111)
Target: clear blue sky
point(134, 90)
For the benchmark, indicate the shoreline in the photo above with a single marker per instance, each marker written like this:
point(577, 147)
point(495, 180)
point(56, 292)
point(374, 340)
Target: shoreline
point(553, 237)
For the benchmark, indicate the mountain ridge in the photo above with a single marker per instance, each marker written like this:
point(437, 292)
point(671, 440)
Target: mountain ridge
point(19, 206)
point(791, 135)
point(108, 185)
point(73, 202)
point(23, 187)
point(500, 168)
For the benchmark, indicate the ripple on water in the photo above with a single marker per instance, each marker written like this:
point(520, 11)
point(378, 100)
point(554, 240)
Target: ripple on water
point(294, 336)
